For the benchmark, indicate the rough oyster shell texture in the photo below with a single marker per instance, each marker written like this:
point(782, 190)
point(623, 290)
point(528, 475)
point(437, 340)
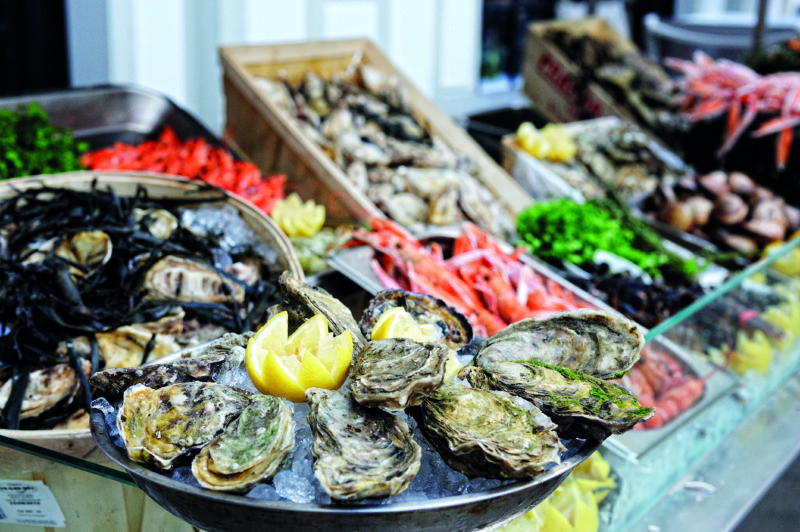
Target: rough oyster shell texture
point(396, 373)
point(594, 342)
point(160, 426)
point(562, 394)
point(186, 280)
point(359, 452)
point(302, 302)
point(250, 450)
point(455, 329)
point(488, 434)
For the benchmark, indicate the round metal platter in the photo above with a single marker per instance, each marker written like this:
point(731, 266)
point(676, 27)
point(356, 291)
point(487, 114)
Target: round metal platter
point(216, 511)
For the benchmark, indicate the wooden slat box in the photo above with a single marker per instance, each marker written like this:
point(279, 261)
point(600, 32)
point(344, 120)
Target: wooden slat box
point(273, 142)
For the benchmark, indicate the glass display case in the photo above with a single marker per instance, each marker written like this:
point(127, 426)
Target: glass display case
point(708, 465)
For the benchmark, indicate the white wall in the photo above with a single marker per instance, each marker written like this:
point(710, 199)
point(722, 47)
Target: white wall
point(171, 45)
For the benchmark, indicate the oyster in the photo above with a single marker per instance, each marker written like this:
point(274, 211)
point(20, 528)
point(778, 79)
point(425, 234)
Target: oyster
point(48, 396)
point(161, 426)
point(455, 330)
point(396, 373)
point(303, 302)
point(250, 450)
point(598, 343)
point(204, 366)
point(488, 434)
point(90, 249)
point(563, 394)
point(187, 280)
point(359, 452)
point(159, 222)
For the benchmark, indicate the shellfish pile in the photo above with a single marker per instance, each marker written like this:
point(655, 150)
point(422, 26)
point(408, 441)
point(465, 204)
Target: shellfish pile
point(510, 414)
point(362, 119)
point(93, 281)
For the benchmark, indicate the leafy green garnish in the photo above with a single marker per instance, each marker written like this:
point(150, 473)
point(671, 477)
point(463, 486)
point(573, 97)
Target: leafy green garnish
point(30, 145)
point(572, 232)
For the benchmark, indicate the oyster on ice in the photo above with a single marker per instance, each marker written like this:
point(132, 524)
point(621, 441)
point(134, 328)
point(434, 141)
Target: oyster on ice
point(250, 450)
point(563, 394)
point(397, 373)
point(302, 302)
point(488, 434)
point(594, 342)
point(161, 426)
point(453, 328)
point(359, 452)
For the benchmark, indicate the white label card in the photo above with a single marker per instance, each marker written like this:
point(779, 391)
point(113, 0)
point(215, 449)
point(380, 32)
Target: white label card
point(28, 502)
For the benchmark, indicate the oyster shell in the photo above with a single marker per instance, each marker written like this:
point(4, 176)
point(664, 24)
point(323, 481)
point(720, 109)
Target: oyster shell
point(91, 249)
point(397, 373)
point(303, 302)
point(359, 452)
point(488, 434)
point(185, 280)
point(159, 222)
point(598, 343)
point(204, 366)
point(250, 450)
point(454, 327)
point(161, 426)
point(563, 395)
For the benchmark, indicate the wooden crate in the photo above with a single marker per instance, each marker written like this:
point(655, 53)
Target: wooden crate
point(256, 127)
point(552, 80)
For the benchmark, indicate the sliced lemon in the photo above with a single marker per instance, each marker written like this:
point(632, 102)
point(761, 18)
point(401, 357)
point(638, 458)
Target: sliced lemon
point(310, 358)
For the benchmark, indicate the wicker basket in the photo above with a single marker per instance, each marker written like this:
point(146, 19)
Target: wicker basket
point(78, 442)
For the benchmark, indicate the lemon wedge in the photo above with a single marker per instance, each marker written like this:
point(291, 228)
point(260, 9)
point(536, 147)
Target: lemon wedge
point(286, 366)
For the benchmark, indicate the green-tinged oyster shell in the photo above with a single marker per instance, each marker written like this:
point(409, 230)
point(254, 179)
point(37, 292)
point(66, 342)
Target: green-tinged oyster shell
point(396, 373)
point(488, 434)
point(455, 330)
point(562, 394)
point(359, 452)
point(250, 450)
point(598, 343)
point(160, 426)
point(302, 302)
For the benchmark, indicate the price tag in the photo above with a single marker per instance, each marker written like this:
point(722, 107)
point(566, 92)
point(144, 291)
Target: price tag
point(28, 502)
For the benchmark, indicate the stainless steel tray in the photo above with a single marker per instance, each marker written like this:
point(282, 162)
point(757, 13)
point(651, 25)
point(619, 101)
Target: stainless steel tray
point(107, 114)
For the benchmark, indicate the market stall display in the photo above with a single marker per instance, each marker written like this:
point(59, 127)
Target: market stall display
point(292, 121)
point(179, 293)
point(520, 439)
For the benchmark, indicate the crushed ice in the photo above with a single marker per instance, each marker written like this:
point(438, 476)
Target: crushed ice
point(297, 483)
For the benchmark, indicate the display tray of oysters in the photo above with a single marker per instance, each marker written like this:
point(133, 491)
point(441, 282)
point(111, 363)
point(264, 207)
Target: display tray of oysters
point(431, 429)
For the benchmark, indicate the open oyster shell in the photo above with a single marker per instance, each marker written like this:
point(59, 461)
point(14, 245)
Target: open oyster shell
point(396, 372)
point(187, 280)
point(250, 450)
point(488, 434)
point(563, 394)
point(359, 452)
point(598, 343)
point(454, 328)
point(160, 426)
point(303, 302)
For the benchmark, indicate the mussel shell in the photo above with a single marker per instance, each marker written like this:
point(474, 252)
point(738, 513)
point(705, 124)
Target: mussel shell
point(565, 396)
point(455, 329)
point(251, 449)
point(161, 426)
point(302, 302)
point(594, 342)
point(396, 373)
point(359, 452)
point(488, 434)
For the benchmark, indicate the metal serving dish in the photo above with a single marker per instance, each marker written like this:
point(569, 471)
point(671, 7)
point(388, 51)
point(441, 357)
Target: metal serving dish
point(217, 511)
point(107, 114)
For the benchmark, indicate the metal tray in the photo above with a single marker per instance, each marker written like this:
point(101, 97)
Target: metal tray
point(219, 511)
point(107, 114)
